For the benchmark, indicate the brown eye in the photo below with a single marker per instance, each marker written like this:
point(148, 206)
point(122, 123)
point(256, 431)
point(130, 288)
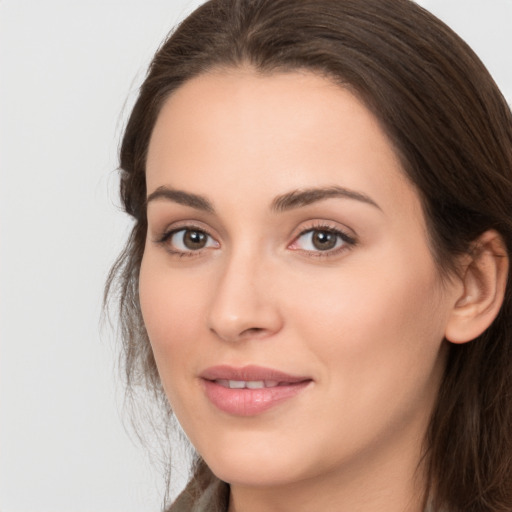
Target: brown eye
point(187, 240)
point(324, 240)
point(194, 240)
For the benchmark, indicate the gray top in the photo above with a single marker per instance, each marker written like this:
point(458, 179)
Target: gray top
point(196, 497)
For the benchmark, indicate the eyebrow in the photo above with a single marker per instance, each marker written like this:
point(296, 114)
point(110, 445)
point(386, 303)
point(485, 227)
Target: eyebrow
point(304, 197)
point(179, 196)
point(284, 202)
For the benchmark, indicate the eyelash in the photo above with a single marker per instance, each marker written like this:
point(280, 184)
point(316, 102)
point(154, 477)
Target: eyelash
point(347, 241)
point(167, 236)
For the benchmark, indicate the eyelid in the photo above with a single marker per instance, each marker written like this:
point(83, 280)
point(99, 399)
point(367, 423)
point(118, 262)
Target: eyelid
point(349, 240)
point(161, 230)
point(166, 235)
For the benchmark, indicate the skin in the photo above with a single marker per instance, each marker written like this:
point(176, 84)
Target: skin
point(365, 320)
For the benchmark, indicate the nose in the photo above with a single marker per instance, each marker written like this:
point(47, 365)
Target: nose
point(244, 303)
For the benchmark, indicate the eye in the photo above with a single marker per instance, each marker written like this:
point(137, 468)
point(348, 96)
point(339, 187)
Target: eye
point(322, 239)
point(187, 240)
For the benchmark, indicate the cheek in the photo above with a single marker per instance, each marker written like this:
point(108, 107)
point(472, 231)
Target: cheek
point(375, 322)
point(377, 343)
point(171, 309)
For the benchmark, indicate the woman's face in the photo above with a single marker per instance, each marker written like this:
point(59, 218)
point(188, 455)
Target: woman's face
point(293, 305)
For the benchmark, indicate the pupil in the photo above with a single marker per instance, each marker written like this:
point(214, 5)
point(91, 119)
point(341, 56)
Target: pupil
point(194, 239)
point(324, 240)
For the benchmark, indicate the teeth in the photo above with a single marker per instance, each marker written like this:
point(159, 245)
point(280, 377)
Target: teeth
point(249, 384)
point(237, 384)
point(255, 384)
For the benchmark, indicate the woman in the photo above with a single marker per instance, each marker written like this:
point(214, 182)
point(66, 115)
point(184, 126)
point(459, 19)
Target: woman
point(317, 277)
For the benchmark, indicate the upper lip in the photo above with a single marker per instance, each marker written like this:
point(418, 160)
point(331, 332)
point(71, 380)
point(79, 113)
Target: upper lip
point(249, 373)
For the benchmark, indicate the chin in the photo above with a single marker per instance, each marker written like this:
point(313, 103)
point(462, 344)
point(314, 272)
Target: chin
point(251, 475)
point(249, 466)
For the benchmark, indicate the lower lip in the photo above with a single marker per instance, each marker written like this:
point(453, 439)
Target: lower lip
point(250, 402)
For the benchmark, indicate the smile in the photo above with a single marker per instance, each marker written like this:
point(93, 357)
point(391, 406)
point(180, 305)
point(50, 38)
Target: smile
point(250, 390)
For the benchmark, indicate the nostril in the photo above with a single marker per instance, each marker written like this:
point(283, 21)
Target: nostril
point(253, 331)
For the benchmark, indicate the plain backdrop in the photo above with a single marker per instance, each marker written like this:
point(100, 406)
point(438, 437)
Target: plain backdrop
point(69, 72)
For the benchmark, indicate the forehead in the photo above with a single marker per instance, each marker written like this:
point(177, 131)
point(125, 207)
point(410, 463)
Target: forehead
point(264, 134)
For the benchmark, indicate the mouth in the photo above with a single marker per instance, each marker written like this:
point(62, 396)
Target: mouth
point(249, 384)
point(250, 390)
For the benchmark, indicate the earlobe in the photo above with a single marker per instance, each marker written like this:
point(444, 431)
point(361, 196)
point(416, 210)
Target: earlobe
point(484, 279)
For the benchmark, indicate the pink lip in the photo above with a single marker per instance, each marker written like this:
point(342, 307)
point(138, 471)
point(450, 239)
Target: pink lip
point(250, 402)
point(250, 372)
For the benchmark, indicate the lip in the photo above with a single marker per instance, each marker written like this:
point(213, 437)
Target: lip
point(250, 372)
point(250, 402)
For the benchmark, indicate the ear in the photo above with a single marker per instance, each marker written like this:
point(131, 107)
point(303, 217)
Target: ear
point(484, 280)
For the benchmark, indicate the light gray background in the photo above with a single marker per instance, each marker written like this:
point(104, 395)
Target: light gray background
point(69, 71)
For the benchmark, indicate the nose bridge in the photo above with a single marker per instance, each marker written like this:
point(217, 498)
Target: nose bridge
point(242, 304)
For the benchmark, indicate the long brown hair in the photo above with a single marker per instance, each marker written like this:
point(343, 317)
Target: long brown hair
point(452, 129)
